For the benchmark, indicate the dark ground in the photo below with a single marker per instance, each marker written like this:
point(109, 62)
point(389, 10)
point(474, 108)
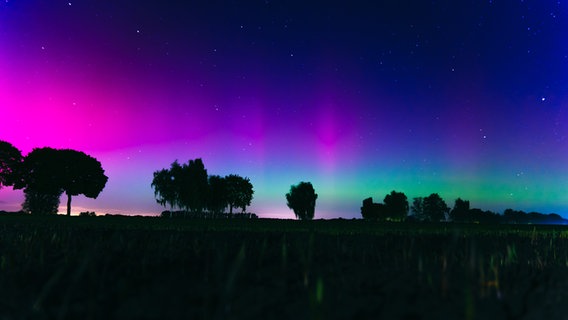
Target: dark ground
point(148, 268)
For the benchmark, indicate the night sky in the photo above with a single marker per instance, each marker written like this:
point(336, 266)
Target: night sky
point(464, 98)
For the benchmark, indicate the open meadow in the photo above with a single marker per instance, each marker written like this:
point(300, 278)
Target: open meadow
point(146, 268)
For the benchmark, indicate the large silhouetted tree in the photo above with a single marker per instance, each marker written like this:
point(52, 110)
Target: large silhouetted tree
point(49, 171)
point(302, 199)
point(434, 208)
point(239, 192)
point(396, 205)
point(10, 164)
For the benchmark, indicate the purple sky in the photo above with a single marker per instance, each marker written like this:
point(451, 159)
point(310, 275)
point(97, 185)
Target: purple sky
point(464, 98)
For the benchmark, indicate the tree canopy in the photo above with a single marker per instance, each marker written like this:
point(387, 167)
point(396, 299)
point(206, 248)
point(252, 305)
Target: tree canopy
point(164, 188)
point(434, 208)
point(302, 200)
point(81, 174)
point(396, 205)
point(189, 188)
point(42, 171)
point(51, 172)
point(239, 192)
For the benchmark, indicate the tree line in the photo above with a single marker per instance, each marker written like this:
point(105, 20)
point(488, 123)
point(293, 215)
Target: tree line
point(433, 208)
point(188, 189)
point(46, 173)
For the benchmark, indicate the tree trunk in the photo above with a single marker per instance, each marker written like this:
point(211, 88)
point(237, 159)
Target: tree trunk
point(68, 204)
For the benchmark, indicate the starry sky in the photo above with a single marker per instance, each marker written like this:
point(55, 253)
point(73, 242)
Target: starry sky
point(464, 98)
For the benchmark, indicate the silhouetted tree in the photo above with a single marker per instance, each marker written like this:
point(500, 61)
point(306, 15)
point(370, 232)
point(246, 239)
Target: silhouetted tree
point(417, 209)
point(50, 171)
point(239, 192)
point(367, 210)
point(217, 196)
point(434, 208)
point(81, 174)
point(165, 188)
point(396, 205)
point(40, 203)
point(192, 182)
point(373, 211)
point(460, 212)
point(10, 163)
point(302, 199)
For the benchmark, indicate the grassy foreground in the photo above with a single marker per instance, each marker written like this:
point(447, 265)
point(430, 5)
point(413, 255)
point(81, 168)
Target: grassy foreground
point(149, 268)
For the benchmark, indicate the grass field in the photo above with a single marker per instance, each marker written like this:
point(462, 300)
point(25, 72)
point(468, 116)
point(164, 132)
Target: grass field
point(143, 268)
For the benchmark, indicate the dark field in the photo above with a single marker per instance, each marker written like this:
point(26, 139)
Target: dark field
point(117, 267)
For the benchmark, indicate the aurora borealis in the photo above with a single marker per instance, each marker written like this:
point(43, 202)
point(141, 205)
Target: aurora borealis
point(464, 98)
